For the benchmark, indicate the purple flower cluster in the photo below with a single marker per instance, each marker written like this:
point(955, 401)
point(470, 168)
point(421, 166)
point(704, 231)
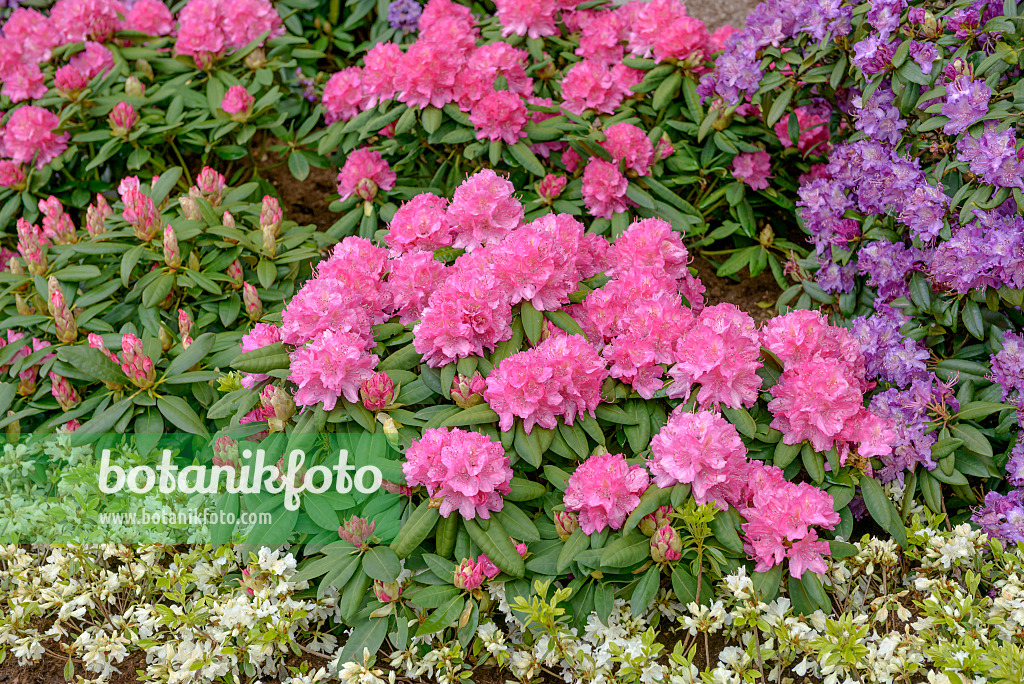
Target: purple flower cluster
point(909, 412)
point(404, 15)
point(884, 16)
point(771, 23)
point(966, 102)
point(1008, 368)
point(874, 54)
point(878, 117)
point(1002, 516)
point(888, 353)
point(994, 157)
point(888, 265)
point(986, 253)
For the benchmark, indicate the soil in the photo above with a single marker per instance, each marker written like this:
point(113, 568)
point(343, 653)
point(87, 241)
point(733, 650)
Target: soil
point(305, 201)
point(50, 670)
point(756, 296)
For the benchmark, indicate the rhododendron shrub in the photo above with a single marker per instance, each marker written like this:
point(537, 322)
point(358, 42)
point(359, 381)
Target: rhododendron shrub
point(543, 400)
point(142, 302)
point(94, 91)
point(592, 112)
point(915, 230)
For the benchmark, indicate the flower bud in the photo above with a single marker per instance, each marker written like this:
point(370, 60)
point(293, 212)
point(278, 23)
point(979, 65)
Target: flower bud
point(63, 392)
point(189, 208)
point(651, 523)
point(666, 546)
point(122, 119)
point(96, 216)
point(391, 431)
point(521, 548)
point(143, 67)
point(551, 186)
point(256, 59)
point(172, 254)
point(959, 67)
point(237, 102)
point(11, 175)
point(193, 260)
point(234, 272)
point(387, 592)
point(468, 392)
point(468, 575)
point(271, 215)
point(70, 81)
point(393, 487)
point(63, 318)
point(566, 522)
point(133, 87)
point(184, 328)
point(357, 531)
point(252, 303)
point(23, 305)
point(166, 341)
point(269, 241)
point(134, 362)
point(378, 392)
point(278, 400)
point(13, 429)
point(366, 189)
point(664, 148)
point(211, 184)
point(225, 452)
point(228, 221)
point(57, 225)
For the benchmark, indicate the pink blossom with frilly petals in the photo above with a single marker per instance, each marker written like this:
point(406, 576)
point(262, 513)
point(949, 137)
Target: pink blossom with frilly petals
point(343, 95)
point(538, 262)
point(201, 35)
point(363, 174)
point(663, 28)
point(559, 378)
point(11, 175)
point(80, 20)
point(94, 60)
point(605, 490)
point(813, 401)
point(325, 304)
point(237, 100)
point(814, 134)
point(438, 10)
point(360, 265)
point(499, 116)
point(602, 37)
point(420, 224)
point(70, 79)
point(261, 335)
point(649, 243)
point(592, 257)
point(468, 471)
point(245, 20)
point(467, 316)
point(151, 17)
point(805, 335)
point(483, 210)
point(590, 85)
point(30, 37)
point(24, 82)
point(412, 280)
point(722, 353)
point(807, 555)
point(753, 168)
point(604, 188)
point(426, 75)
point(30, 135)
point(378, 74)
point(333, 365)
point(531, 18)
point(716, 41)
point(628, 144)
point(551, 186)
point(476, 80)
point(625, 77)
point(571, 160)
point(633, 360)
point(873, 435)
point(700, 449)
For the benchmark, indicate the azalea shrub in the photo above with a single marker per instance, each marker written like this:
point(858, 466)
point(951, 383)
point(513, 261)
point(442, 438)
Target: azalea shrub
point(121, 325)
point(544, 403)
point(95, 91)
point(918, 242)
point(590, 109)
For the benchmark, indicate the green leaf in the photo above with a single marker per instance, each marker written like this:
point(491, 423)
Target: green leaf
point(645, 591)
point(319, 508)
point(972, 438)
point(262, 360)
point(625, 551)
point(527, 159)
point(195, 353)
point(971, 316)
point(431, 118)
point(92, 362)
point(533, 322)
point(524, 490)
point(979, 409)
point(497, 544)
point(741, 419)
point(767, 583)
point(651, 500)
point(417, 528)
point(882, 510)
point(577, 543)
point(381, 563)
point(442, 617)
point(779, 106)
point(298, 165)
point(518, 525)
point(157, 290)
point(475, 415)
point(840, 549)
point(181, 415)
point(365, 636)
point(666, 90)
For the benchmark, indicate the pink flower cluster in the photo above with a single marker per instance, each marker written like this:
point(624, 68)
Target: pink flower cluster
point(261, 335)
point(605, 489)
point(27, 377)
point(559, 378)
point(820, 395)
point(470, 574)
point(30, 137)
point(363, 174)
point(210, 28)
point(753, 168)
point(704, 450)
point(467, 471)
point(813, 136)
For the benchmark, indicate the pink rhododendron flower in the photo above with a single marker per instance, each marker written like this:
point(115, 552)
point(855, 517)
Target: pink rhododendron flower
point(700, 449)
point(649, 243)
point(666, 545)
point(499, 116)
point(601, 38)
point(590, 85)
point(559, 378)
point(412, 280)
point(343, 95)
point(28, 36)
point(813, 136)
point(70, 79)
point(483, 210)
point(814, 401)
point(537, 263)
point(604, 188)
point(466, 316)
point(470, 574)
point(753, 168)
point(151, 17)
point(805, 335)
point(364, 173)
point(333, 365)
point(722, 352)
point(57, 225)
point(94, 60)
point(663, 28)
point(420, 224)
point(237, 100)
point(209, 28)
point(807, 554)
point(378, 74)
point(605, 490)
point(426, 74)
point(80, 20)
point(245, 20)
point(261, 335)
point(11, 175)
point(467, 471)
point(30, 136)
point(24, 82)
point(531, 18)
point(476, 80)
point(323, 304)
point(628, 144)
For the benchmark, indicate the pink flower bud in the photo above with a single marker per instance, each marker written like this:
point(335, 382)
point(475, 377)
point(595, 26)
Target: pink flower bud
point(520, 548)
point(271, 215)
point(57, 225)
point(134, 362)
point(387, 592)
point(234, 272)
point(551, 186)
point(566, 522)
point(357, 531)
point(280, 404)
point(189, 208)
point(63, 392)
point(378, 392)
point(470, 574)
point(32, 244)
point(394, 488)
point(468, 392)
point(664, 148)
point(666, 546)
point(141, 213)
point(96, 216)
point(228, 220)
point(238, 103)
point(67, 329)
point(225, 452)
point(96, 342)
point(185, 328)
point(366, 189)
point(122, 119)
point(172, 254)
point(252, 303)
point(652, 522)
point(211, 184)
point(11, 175)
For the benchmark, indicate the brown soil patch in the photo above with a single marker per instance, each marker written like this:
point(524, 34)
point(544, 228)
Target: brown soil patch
point(749, 294)
point(305, 201)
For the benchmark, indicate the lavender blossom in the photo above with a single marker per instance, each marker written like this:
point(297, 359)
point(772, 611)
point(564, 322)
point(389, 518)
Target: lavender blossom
point(404, 15)
point(994, 157)
point(966, 102)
